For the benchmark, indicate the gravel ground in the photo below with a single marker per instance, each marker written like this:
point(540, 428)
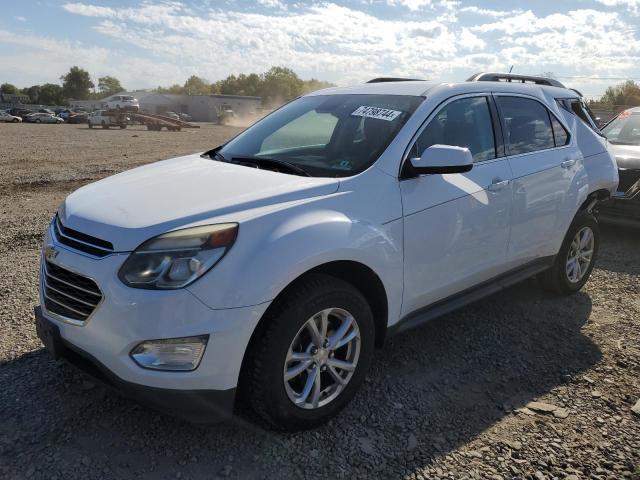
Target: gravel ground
point(520, 385)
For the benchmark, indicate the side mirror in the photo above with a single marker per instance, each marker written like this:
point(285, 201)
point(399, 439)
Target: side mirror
point(442, 159)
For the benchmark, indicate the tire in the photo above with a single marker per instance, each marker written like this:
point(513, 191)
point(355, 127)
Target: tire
point(15, 120)
point(263, 382)
point(38, 120)
point(558, 278)
point(122, 126)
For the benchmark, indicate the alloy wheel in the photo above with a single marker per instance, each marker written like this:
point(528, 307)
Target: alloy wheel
point(322, 358)
point(580, 254)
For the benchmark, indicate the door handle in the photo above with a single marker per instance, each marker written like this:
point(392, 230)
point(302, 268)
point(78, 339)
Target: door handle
point(497, 185)
point(570, 162)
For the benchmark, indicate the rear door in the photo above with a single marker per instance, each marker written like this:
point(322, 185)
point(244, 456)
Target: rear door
point(545, 164)
point(456, 226)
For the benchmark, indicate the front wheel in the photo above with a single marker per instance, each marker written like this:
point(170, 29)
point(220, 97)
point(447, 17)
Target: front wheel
point(308, 361)
point(577, 256)
point(15, 120)
point(38, 120)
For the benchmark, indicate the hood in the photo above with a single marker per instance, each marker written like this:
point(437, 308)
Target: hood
point(133, 206)
point(627, 156)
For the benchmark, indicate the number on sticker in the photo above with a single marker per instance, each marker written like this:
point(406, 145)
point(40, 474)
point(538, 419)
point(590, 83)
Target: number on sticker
point(375, 112)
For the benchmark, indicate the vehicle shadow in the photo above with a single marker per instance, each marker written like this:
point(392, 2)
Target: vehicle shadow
point(429, 391)
point(619, 250)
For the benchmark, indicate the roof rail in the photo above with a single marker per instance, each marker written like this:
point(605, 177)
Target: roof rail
point(511, 77)
point(393, 79)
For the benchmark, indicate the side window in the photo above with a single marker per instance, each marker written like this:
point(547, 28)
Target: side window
point(526, 125)
point(461, 123)
point(560, 134)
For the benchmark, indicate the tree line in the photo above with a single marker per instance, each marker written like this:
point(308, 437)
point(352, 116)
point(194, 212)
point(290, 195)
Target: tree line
point(277, 85)
point(624, 95)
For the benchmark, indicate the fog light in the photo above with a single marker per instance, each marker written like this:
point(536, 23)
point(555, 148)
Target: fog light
point(176, 354)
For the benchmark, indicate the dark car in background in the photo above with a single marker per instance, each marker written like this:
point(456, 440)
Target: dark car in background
point(623, 133)
point(19, 112)
point(81, 117)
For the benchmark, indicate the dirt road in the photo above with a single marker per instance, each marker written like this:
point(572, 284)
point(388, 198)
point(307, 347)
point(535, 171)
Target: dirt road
point(449, 400)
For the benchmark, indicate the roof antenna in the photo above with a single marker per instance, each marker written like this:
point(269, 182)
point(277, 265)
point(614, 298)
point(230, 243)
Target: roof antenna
point(511, 69)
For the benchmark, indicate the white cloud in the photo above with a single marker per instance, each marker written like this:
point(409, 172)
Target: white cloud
point(334, 42)
point(273, 4)
point(488, 12)
point(44, 59)
point(21, 19)
point(583, 40)
point(632, 5)
point(412, 5)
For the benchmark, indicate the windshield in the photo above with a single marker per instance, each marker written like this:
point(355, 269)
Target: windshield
point(624, 130)
point(326, 135)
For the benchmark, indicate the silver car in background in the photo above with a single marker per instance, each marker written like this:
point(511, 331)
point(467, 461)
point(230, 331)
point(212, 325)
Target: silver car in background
point(623, 133)
point(40, 117)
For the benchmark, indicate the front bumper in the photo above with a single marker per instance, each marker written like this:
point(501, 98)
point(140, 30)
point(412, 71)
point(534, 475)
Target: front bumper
point(127, 316)
point(198, 406)
point(624, 206)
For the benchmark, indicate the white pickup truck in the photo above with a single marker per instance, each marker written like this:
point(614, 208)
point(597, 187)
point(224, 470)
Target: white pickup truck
point(105, 120)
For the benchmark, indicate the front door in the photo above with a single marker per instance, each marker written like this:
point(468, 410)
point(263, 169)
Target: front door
point(456, 226)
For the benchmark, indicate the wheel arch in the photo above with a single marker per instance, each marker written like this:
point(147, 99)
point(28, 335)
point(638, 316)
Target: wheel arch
point(357, 274)
point(360, 276)
point(593, 198)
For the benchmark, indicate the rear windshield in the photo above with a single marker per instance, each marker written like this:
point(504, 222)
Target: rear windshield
point(327, 135)
point(624, 130)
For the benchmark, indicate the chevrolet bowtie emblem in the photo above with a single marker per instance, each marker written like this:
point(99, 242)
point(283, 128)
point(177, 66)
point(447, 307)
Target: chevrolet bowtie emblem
point(50, 252)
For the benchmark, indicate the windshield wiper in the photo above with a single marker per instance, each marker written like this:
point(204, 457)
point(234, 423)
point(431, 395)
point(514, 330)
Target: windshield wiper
point(271, 161)
point(216, 155)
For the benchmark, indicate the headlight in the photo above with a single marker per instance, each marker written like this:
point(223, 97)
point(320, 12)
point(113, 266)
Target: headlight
point(175, 259)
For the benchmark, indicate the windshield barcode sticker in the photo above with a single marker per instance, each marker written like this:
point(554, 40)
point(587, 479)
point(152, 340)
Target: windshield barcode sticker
point(375, 112)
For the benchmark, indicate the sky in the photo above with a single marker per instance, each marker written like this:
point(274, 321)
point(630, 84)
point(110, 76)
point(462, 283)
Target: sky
point(587, 44)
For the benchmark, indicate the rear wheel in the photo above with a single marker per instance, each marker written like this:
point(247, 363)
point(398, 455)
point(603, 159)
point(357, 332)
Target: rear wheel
point(575, 261)
point(37, 120)
point(308, 361)
point(15, 120)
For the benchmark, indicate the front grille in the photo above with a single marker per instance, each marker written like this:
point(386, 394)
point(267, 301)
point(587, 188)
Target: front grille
point(81, 241)
point(68, 294)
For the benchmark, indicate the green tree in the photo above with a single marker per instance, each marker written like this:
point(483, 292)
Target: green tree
point(109, 86)
point(8, 88)
point(77, 84)
point(175, 89)
point(33, 92)
point(51, 94)
point(196, 86)
point(280, 84)
point(313, 85)
point(626, 94)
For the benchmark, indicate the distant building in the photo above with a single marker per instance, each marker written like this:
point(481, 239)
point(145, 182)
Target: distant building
point(13, 98)
point(201, 108)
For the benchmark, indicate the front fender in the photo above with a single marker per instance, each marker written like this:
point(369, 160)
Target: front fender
point(273, 251)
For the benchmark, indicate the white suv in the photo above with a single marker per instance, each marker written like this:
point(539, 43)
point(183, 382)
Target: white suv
point(122, 102)
point(275, 264)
